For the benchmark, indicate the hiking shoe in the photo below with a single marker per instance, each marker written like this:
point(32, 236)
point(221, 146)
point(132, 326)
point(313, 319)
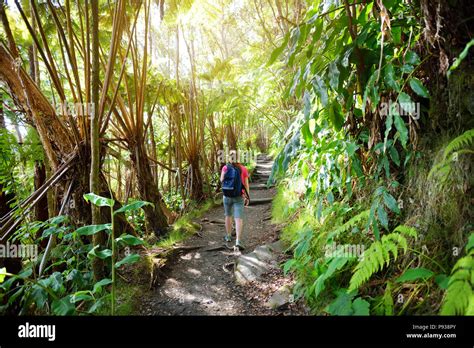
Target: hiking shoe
point(227, 238)
point(239, 245)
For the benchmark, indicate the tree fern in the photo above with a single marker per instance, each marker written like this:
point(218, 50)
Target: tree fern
point(459, 298)
point(379, 255)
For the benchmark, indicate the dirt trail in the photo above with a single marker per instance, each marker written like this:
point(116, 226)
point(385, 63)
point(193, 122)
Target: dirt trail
point(198, 283)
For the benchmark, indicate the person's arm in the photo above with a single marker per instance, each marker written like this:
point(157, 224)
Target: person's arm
point(247, 187)
point(223, 171)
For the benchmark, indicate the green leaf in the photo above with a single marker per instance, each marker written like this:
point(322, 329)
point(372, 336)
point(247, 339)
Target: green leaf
point(101, 302)
point(342, 305)
point(320, 90)
point(55, 282)
point(461, 57)
point(375, 228)
point(39, 303)
point(128, 260)
point(389, 77)
point(63, 306)
point(417, 86)
point(394, 155)
point(98, 286)
point(397, 35)
point(25, 274)
point(307, 104)
point(3, 274)
point(335, 115)
point(415, 274)
point(133, 206)
point(388, 125)
point(59, 219)
point(52, 230)
point(92, 229)
point(98, 200)
point(405, 101)
point(407, 68)
point(361, 307)
point(390, 202)
point(382, 215)
point(387, 299)
point(333, 75)
point(371, 91)
point(336, 264)
point(470, 243)
point(102, 254)
point(289, 265)
point(129, 239)
point(402, 129)
point(412, 58)
point(279, 50)
point(81, 296)
point(306, 133)
point(442, 280)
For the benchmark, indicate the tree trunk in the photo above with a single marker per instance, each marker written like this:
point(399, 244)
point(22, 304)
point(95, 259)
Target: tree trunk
point(231, 138)
point(197, 193)
point(155, 218)
point(99, 239)
point(13, 265)
point(5, 198)
point(57, 142)
point(55, 138)
point(41, 209)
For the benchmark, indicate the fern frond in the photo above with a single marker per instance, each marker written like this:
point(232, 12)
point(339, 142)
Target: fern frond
point(459, 145)
point(459, 298)
point(362, 217)
point(463, 140)
point(380, 254)
point(398, 239)
point(407, 230)
point(378, 257)
point(392, 247)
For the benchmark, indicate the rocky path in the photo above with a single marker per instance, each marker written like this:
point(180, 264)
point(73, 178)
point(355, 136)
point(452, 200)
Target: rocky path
point(215, 279)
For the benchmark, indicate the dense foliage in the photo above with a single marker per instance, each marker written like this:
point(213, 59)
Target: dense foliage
point(355, 154)
point(112, 119)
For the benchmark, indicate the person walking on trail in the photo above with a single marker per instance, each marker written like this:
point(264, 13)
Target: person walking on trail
point(235, 187)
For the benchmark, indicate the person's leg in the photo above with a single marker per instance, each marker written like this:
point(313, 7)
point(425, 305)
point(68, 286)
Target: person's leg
point(228, 218)
point(228, 225)
point(238, 228)
point(239, 221)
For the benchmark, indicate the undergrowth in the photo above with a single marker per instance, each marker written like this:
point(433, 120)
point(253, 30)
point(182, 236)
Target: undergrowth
point(184, 226)
point(417, 267)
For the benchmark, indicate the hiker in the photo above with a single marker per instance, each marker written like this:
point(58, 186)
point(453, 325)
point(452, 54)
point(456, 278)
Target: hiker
point(235, 187)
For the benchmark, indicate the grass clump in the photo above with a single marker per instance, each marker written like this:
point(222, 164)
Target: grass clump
point(185, 227)
point(285, 204)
